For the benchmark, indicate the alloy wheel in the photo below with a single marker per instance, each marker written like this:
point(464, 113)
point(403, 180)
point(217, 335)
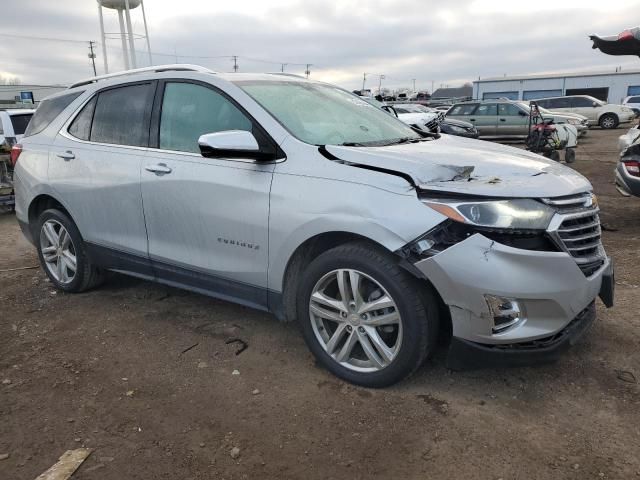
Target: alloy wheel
point(58, 251)
point(355, 320)
point(608, 122)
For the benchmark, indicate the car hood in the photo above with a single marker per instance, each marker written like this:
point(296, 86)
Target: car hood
point(567, 115)
point(411, 118)
point(457, 123)
point(472, 167)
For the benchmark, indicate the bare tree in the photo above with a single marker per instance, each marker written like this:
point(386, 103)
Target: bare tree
point(9, 80)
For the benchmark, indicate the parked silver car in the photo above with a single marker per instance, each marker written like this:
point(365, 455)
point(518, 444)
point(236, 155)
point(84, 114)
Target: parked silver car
point(299, 198)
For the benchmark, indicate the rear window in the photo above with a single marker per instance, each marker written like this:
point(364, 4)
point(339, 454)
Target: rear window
point(20, 122)
point(634, 100)
point(47, 111)
point(122, 115)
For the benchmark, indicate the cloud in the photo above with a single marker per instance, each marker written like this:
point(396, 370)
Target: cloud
point(443, 42)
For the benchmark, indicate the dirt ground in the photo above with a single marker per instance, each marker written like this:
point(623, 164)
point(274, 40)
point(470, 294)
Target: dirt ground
point(141, 374)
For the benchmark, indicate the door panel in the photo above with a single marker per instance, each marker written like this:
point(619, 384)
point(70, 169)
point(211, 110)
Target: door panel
point(101, 188)
point(510, 121)
point(95, 167)
point(485, 118)
point(208, 215)
point(207, 219)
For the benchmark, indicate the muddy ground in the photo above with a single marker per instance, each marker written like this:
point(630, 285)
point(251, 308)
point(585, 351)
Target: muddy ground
point(141, 374)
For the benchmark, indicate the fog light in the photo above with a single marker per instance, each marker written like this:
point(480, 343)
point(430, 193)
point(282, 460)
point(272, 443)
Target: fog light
point(506, 312)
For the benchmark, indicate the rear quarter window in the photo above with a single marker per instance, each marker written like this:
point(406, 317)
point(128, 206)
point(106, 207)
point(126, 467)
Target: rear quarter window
point(47, 111)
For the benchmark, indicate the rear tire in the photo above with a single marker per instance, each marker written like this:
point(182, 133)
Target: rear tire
point(570, 155)
point(609, 121)
point(62, 253)
point(345, 332)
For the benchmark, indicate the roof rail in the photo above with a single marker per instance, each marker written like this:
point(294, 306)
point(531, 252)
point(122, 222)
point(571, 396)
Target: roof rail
point(180, 67)
point(285, 74)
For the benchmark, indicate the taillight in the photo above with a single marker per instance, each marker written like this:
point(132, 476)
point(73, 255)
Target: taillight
point(16, 150)
point(633, 167)
point(626, 35)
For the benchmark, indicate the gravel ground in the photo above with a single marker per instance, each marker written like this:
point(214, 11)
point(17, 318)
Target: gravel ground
point(141, 374)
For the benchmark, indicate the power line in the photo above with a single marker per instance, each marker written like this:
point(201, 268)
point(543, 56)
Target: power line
point(48, 39)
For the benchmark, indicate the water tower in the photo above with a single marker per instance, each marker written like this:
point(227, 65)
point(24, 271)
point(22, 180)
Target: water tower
point(126, 34)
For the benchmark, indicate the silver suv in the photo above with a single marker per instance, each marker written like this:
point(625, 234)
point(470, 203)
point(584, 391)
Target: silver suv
point(299, 198)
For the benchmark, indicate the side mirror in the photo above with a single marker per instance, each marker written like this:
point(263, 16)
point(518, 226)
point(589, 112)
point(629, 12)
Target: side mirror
point(390, 109)
point(230, 144)
point(522, 113)
point(595, 104)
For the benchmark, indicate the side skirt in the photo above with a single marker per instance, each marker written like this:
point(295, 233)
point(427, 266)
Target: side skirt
point(187, 279)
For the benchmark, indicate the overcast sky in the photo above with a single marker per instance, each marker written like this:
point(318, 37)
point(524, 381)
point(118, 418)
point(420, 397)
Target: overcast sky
point(447, 42)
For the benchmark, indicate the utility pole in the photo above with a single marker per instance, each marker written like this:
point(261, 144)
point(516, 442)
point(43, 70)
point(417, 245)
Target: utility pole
point(414, 84)
point(92, 56)
point(364, 79)
point(282, 67)
point(307, 71)
point(380, 84)
point(235, 63)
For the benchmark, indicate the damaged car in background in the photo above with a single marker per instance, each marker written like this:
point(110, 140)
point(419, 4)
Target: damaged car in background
point(627, 173)
point(299, 198)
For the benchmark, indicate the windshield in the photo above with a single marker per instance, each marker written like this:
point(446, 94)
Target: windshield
point(598, 101)
point(526, 107)
point(324, 115)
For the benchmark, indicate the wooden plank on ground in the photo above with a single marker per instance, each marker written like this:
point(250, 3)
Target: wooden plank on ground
point(67, 464)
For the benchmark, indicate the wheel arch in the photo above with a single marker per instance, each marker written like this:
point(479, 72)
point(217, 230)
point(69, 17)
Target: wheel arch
point(313, 246)
point(611, 114)
point(39, 204)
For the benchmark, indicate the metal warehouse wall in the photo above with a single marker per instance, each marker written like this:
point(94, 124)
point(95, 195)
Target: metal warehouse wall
point(618, 84)
point(9, 92)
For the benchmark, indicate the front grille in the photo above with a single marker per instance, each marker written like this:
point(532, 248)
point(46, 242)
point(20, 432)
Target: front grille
point(435, 123)
point(576, 229)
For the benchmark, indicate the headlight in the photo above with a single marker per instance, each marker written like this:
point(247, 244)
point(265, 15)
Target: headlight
point(517, 214)
point(573, 121)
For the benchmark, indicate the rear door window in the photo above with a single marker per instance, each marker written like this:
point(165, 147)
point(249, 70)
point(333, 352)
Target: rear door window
point(464, 109)
point(508, 110)
point(487, 109)
point(581, 102)
point(20, 122)
point(81, 125)
point(47, 111)
point(190, 110)
point(560, 103)
point(122, 115)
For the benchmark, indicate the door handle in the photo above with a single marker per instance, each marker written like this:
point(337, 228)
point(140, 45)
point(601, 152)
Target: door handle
point(66, 156)
point(472, 119)
point(159, 169)
point(503, 119)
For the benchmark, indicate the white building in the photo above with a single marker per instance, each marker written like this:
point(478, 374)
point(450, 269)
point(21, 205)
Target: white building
point(611, 87)
point(12, 96)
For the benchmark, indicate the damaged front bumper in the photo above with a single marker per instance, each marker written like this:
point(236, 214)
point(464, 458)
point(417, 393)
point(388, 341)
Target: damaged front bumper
point(553, 296)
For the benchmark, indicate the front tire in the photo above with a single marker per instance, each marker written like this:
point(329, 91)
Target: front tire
point(609, 121)
point(365, 318)
point(62, 253)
